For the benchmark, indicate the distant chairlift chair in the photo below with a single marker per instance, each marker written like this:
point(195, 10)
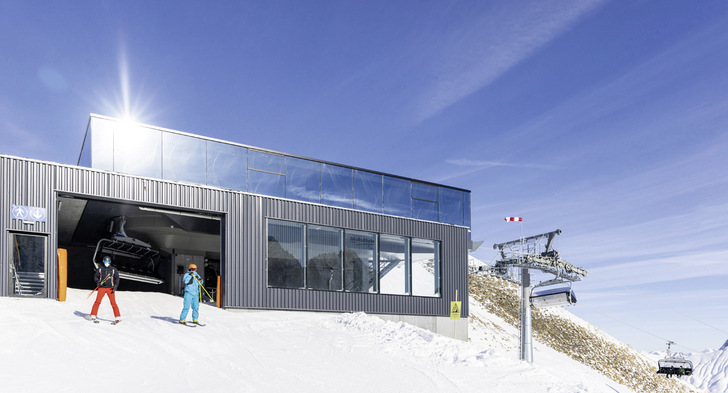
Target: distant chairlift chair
point(137, 260)
point(674, 365)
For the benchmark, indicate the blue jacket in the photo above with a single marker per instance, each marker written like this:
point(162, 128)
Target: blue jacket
point(191, 285)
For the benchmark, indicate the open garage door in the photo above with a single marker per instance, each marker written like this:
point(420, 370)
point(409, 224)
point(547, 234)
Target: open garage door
point(151, 246)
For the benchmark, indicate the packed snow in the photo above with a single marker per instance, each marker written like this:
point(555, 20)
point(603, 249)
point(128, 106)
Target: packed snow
point(51, 346)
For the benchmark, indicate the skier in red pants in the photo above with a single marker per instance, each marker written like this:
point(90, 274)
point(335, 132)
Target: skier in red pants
point(107, 279)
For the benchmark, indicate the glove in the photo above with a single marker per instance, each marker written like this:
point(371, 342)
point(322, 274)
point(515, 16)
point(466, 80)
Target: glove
point(113, 289)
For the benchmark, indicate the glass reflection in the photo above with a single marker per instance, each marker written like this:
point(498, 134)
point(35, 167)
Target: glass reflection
point(226, 166)
point(397, 200)
point(266, 162)
point(285, 254)
point(394, 265)
point(424, 210)
point(451, 206)
point(266, 183)
point(183, 158)
point(425, 268)
point(360, 262)
point(337, 186)
point(367, 191)
point(101, 144)
point(303, 180)
point(425, 192)
point(137, 150)
point(324, 266)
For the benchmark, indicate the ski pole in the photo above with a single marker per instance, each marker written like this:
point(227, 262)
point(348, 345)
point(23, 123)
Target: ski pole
point(203, 288)
point(100, 284)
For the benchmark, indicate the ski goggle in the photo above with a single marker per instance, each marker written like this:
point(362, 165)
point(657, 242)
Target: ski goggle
point(192, 269)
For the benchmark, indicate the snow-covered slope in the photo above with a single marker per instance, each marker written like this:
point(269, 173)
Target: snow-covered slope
point(710, 370)
point(50, 346)
point(556, 329)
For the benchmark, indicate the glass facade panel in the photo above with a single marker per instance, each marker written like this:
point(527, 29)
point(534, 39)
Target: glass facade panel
point(138, 151)
point(397, 200)
point(303, 180)
point(101, 144)
point(267, 183)
point(424, 210)
point(150, 152)
point(424, 192)
point(367, 191)
point(360, 262)
point(27, 264)
point(286, 253)
point(394, 265)
point(324, 268)
point(184, 158)
point(226, 166)
point(337, 186)
point(451, 206)
point(425, 268)
point(266, 162)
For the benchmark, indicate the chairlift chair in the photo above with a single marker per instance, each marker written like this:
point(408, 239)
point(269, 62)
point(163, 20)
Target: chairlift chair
point(674, 365)
point(552, 297)
point(135, 259)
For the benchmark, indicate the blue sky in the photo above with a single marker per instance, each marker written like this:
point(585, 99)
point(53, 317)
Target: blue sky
point(605, 119)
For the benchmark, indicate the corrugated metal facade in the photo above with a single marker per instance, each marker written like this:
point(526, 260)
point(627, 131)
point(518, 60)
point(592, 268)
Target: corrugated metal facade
point(33, 183)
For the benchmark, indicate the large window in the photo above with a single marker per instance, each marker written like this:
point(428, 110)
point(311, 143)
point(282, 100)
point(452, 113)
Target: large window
point(325, 263)
point(286, 254)
point(425, 267)
point(360, 262)
point(394, 265)
point(27, 264)
point(334, 259)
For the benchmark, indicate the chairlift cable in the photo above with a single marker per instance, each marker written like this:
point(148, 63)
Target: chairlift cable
point(635, 327)
point(664, 305)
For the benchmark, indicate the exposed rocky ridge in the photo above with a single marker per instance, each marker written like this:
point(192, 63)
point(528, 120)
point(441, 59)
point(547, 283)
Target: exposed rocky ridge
point(567, 334)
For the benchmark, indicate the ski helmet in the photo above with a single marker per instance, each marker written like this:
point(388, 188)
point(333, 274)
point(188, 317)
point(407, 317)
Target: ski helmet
point(193, 266)
point(107, 260)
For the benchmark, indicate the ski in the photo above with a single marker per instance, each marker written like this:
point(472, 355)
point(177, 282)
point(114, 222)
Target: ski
point(187, 324)
point(115, 322)
point(95, 320)
point(198, 324)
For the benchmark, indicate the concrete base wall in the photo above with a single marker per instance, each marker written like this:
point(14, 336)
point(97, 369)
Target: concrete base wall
point(454, 328)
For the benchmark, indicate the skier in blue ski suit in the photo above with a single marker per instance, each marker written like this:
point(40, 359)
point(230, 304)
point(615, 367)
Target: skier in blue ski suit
point(192, 294)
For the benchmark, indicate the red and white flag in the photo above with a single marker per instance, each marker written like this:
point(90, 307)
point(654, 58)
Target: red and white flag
point(514, 218)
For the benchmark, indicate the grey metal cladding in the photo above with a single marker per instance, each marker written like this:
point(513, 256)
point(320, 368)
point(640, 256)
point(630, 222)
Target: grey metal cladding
point(35, 183)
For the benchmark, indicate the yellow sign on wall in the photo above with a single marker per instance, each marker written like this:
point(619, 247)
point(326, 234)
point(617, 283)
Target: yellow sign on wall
point(455, 310)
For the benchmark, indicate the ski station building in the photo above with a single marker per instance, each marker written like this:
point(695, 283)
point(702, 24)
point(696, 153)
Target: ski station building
point(274, 231)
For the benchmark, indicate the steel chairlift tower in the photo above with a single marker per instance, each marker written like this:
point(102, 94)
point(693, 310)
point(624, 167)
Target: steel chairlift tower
point(531, 253)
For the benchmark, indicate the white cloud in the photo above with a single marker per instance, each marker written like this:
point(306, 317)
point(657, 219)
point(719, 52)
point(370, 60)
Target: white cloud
point(480, 52)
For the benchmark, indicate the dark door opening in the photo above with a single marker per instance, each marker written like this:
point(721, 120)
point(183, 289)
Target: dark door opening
point(151, 246)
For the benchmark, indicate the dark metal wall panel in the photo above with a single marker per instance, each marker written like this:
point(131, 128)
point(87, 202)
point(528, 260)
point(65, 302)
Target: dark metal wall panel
point(454, 260)
point(33, 183)
point(28, 183)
